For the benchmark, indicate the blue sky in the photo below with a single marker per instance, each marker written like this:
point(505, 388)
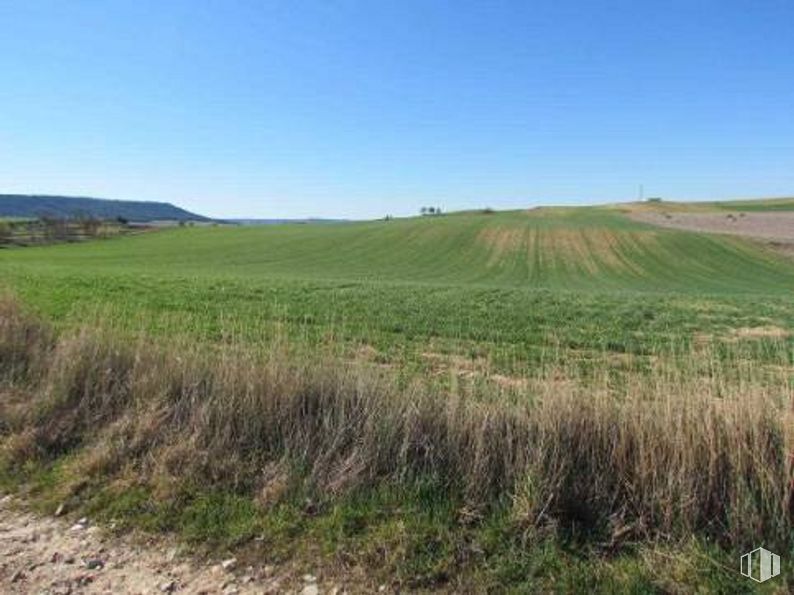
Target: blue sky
point(359, 109)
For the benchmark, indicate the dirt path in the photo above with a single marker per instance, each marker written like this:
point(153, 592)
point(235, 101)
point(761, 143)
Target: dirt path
point(50, 555)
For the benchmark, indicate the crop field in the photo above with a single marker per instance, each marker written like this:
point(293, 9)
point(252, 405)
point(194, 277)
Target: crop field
point(576, 385)
point(509, 285)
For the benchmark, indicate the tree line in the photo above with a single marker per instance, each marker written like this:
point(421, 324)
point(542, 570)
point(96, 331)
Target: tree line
point(430, 210)
point(48, 228)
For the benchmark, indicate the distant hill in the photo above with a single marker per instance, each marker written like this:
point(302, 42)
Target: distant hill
point(283, 221)
point(28, 206)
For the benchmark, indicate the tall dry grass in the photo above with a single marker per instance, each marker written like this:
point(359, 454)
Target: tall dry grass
point(694, 445)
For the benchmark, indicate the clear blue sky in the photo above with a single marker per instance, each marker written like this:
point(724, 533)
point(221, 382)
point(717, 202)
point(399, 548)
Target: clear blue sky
point(358, 109)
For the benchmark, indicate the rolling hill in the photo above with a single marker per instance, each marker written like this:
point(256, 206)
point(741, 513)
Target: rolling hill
point(646, 352)
point(510, 284)
point(747, 205)
point(582, 249)
point(30, 206)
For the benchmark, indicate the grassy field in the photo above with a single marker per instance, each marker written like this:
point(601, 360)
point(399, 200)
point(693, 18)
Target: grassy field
point(555, 399)
point(748, 205)
point(559, 249)
point(513, 284)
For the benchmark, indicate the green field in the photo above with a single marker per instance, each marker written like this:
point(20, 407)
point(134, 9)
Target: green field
point(642, 375)
point(585, 249)
point(508, 285)
point(749, 205)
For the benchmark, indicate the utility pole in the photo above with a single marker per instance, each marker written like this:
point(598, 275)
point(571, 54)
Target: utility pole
point(642, 193)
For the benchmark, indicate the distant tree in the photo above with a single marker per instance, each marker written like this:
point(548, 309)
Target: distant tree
point(5, 233)
point(431, 210)
point(438, 210)
point(90, 225)
point(423, 210)
point(123, 221)
point(487, 211)
point(55, 228)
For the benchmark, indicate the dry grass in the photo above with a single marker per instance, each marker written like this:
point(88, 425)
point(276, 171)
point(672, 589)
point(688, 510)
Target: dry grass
point(681, 448)
point(504, 241)
point(589, 251)
point(23, 343)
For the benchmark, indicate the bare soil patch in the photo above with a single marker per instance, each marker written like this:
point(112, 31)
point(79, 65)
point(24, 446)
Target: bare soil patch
point(50, 555)
point(762, 332)
point(776, 226)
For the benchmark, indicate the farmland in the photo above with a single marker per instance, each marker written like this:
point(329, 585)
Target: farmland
point(516, 282)
point(508, 367)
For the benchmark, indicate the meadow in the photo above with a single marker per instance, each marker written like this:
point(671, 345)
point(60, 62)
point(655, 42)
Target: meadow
point(555, 399)
point(508, 286)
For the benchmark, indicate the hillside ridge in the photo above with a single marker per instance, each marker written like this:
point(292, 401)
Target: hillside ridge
point(36, 205)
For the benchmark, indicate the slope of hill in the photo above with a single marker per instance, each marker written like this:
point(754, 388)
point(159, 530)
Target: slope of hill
point(764, 204)
point(750, 205)
point(29, 206)
point(765, 219)
point(569, 355)
point(574, 249)
point(517, 283)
